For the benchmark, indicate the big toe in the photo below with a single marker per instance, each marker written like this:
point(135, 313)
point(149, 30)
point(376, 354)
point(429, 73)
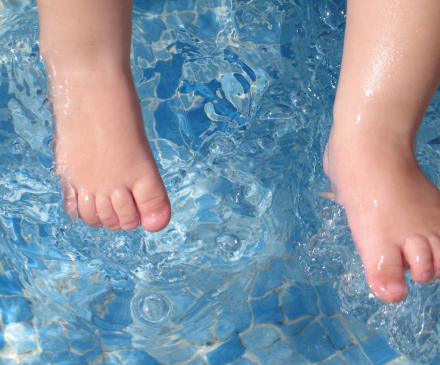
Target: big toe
point(152, 203)
point(384, 271)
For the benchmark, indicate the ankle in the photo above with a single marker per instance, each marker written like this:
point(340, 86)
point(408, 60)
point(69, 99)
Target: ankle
point(69, 61)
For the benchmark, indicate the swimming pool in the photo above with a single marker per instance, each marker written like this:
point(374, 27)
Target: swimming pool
point(255, 267)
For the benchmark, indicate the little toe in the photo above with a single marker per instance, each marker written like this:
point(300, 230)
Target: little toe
point(125, 209)
point(152, 204)
point(87, 209)
point(434, 241)
point(417, 253)
point(384, 272)
point(106, 213)
point(70, 202)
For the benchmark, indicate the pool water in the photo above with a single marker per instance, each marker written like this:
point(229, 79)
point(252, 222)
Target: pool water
point(255, 267)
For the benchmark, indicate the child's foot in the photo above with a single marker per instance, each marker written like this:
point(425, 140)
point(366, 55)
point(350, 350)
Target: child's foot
point(393, 209)
point(106, 167)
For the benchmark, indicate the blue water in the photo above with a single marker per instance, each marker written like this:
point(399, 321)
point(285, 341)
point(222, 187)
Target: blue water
point(255, 267)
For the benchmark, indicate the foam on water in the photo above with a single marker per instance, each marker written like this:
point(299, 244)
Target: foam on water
point(237, 100)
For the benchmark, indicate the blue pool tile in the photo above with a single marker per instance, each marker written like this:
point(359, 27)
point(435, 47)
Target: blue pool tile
point(268, 280)
point(334, 361)
point(312, 343)
point(51, 338)
point(68, 358)
point(107, 325)
point(280, 353)
point(40, 359)
point(235, 319)
point(292, 329)
point(119, 310)
point(15, 309)
point(358, 330)
point(259, 338)
point(94, 356)
point(354, 356)
point(297, 301)
point(228, 352)
point(82, 340)
point(267, 309)
point(112, 341)
point(21, 337)
point(6, 361)
point(173, 354)
point(10, 284)
point(377, 349)
point(2, 340)
point(435, 361)
point(137, 357)
point(197, 361)
point(336, 331)
point(112, 360)
point(326, 299)
point(244, 361)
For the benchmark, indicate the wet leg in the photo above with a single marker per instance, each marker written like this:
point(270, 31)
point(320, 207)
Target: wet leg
point(106, 167)
point(390, 72)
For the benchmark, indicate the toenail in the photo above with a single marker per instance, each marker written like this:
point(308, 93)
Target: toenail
point(396, 287)
point(153, 218)
point(129, 227)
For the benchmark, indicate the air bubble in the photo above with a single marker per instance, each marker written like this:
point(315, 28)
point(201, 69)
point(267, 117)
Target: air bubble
point(267, 142)
point(264, 50)
point(276, 90)
point(16, 147)
point(299, 98)
point(276, 112)
point(222, 146)
point(33, 57)
point(228, 242)
point(248, 17)
point(153, 308)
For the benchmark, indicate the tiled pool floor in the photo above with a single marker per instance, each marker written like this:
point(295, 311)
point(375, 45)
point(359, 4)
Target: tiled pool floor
point(284, 321)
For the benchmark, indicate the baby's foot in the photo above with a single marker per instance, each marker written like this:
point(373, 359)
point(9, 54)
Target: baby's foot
point(393, 209)
point(107, 169)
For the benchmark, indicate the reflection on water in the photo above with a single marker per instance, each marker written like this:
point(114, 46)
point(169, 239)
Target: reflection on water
point(237, 100)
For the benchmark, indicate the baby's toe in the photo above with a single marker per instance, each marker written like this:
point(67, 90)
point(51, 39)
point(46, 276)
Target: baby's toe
point(434, 241)
point(125, 209)
point(106, 213)
point(87, 209)
point(152, 204)
point(384, 272)
point(70, 202)
point(417, 253)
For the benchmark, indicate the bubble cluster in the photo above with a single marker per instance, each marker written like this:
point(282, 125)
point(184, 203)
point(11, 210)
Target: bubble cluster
point(222, 146)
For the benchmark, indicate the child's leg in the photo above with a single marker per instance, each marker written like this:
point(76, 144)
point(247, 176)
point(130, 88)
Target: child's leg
point(103, 157)
point(390, 71)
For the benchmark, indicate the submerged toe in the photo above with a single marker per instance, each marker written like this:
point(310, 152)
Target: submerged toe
point(106, 213)
point(384, 272)
point(418, 254)
point(125, 208)
point(87, 209)
point(152, 203)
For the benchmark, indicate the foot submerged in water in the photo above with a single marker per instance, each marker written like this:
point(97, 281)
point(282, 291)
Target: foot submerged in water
point(393, 209)
point(106, 167)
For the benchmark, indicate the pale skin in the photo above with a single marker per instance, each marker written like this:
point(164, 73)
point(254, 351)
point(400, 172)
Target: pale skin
point(106, 167)
point(390, 72)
